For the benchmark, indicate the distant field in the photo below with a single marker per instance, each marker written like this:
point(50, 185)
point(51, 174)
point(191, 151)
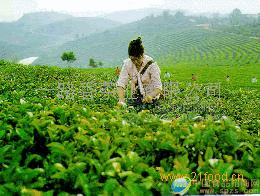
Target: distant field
point(204, 46)
point(192, 45)
point(240, 76)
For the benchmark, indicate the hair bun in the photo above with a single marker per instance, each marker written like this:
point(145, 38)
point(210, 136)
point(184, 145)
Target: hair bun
point(138, 40)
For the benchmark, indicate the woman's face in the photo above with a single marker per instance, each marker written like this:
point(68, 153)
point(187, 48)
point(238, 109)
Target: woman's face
point(137, 60)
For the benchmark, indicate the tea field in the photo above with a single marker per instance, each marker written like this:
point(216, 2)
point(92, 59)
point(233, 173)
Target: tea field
point(198, 46)
point(55, 144)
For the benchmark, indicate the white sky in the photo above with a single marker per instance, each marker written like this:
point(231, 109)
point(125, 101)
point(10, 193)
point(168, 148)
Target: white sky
point(14, 9)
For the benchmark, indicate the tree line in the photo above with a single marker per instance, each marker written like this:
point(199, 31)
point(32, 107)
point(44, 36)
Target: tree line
point(70, 58)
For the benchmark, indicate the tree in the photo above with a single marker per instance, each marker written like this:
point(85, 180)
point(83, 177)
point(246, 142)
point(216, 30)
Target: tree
point(216, 18)
point(235, 16)
point(100, 63)
point(166, 13)
point(92, 62)
point(68, 56)
point(179, 15)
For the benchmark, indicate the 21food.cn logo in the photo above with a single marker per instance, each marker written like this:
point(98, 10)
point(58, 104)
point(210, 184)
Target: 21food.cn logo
point(181, 186)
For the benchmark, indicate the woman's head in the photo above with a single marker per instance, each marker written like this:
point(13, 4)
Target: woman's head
point(135, 48)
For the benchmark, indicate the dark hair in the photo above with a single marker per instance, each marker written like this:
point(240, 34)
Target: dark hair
point(136, 48)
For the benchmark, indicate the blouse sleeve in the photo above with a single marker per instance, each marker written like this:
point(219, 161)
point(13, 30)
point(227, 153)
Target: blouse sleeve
point(123, 77)
point(156, 76)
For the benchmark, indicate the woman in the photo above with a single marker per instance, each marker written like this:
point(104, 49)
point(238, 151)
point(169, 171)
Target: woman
point(144, 74)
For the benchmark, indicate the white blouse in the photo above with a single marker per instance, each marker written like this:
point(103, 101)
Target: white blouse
point(150, 79)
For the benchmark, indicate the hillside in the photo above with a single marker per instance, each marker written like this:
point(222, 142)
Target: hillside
point(129, 16)
point(111, 46)
point(179, 37)
point(22, 32)
point(11, 51)
point(248, 30)
point(37, 32)
point(12, 34)
point(185, 38)
point(75, 28)
point(37, 19)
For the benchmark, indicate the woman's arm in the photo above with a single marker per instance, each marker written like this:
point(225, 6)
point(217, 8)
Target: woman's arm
point(122, 82)
point(121, 94)
point(155, 92)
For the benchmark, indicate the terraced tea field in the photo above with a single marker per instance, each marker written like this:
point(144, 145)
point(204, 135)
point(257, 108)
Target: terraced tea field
point(203, 46)
point(192, 45)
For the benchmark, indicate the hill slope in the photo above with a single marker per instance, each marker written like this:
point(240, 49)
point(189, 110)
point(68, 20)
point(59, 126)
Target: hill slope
point(37, 32)
point(11, 51)
point(130, 16)
point(37, 19)
point(77, 27)
point(179, 39)
point(22, 32)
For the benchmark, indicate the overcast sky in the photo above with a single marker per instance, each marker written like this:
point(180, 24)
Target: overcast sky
point(14, 9)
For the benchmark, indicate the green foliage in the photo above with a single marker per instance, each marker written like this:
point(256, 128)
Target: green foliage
point(93, 63)
point(235, 16)
point(52, 146)
point(248, 30)
point(68, 56)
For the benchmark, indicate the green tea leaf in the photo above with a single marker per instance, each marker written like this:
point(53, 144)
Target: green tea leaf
point(58, 148)
point(244, 173)
point(111, 185)
point(208, 154)
point(59, 167)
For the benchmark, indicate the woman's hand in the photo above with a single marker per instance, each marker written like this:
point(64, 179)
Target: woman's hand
point(148, 99)
point(121, 94)
point(121, 104)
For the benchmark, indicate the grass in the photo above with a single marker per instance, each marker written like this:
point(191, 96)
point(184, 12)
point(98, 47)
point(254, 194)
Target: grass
point(240, 76)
